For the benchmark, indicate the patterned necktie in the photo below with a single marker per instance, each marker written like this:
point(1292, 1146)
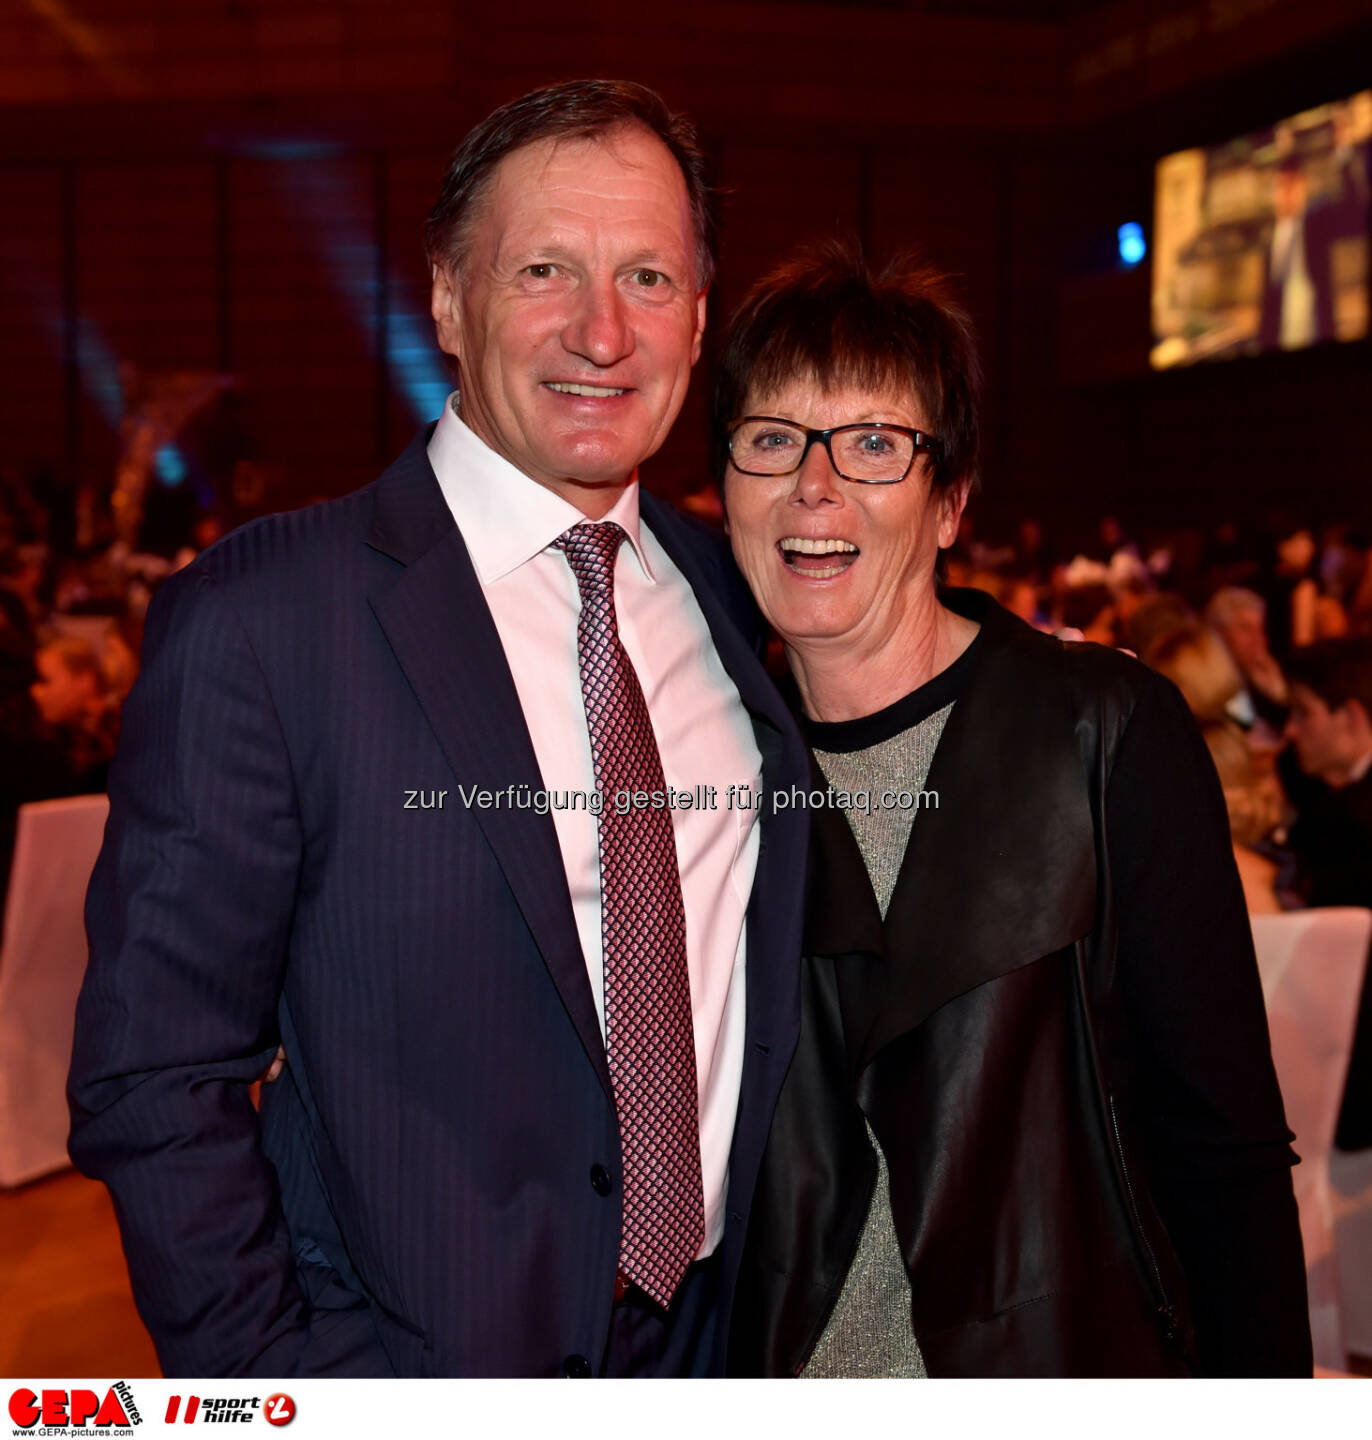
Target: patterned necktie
point(650, 1045)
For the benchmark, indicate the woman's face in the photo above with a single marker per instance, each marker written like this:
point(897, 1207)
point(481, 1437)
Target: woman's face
point(877, 567)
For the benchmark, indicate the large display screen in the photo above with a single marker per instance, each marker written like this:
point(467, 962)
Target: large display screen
point(1262, 243)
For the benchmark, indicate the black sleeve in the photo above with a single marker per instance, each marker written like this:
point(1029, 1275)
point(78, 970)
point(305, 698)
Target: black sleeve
point(1205, 1098)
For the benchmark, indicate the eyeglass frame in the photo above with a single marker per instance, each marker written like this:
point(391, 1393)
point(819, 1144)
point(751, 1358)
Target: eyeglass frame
point(924, 442)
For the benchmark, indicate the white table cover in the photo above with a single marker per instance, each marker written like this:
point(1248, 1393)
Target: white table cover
point(1311, 963)
point(41, 964)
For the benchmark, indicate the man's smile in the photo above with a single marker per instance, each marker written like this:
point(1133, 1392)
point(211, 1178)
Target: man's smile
point(567, 387)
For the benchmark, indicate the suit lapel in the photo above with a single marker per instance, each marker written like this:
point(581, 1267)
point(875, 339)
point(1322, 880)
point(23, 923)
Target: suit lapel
point(440, 629)
point(772, 1011)
point(710, 581)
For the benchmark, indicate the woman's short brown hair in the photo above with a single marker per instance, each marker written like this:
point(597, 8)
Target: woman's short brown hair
point(826, 316)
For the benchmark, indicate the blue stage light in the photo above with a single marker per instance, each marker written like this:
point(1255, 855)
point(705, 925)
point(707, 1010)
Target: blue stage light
point(170, 465)
point(281, 149)
point(326, 198)
point(1133, 247)
point(99, 369)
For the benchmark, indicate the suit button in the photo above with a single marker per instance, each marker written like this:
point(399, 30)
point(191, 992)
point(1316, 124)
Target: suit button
point(576, 1367)
point(600, 1180)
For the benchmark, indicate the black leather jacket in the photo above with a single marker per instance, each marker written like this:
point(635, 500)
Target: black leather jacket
point(984, 1032)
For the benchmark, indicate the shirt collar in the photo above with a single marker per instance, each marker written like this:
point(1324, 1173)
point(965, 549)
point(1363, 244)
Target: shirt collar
point(505, 517)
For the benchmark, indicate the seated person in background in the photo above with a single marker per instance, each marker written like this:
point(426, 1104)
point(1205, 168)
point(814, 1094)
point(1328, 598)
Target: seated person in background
point(1240, 617)
point(33, 765)
point(1194, 659)
point(73, 700)
point(1088, 612)
point(1360, 605)
point(1157, 616)
point(1020, 596)
point(1331, 619)
point(119, 658)
point(1033, 552)
point(1291, 592)
point(22, 573)
point(1254, 803)
point(1330, 730)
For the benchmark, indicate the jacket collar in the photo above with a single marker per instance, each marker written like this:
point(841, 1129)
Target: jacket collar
point(435, 617)
point(505, 516)
point(1000, 874)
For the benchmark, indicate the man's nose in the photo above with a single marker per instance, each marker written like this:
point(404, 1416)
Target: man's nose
point(600, 328)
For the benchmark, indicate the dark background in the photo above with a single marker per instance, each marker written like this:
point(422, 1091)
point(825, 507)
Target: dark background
point(240, 186)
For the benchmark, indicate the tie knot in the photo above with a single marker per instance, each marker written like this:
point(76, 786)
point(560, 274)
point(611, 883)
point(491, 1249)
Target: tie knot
point(590, 551)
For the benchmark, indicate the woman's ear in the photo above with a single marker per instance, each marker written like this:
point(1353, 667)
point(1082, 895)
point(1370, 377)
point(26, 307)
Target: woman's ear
point(952, 501)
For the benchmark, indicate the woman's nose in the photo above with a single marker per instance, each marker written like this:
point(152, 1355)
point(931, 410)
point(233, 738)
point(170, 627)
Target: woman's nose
point(815, 481)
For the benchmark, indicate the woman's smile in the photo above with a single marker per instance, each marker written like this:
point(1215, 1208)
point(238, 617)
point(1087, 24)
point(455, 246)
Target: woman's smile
point(817, 557)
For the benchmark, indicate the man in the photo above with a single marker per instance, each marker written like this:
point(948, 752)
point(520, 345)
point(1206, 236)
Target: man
point(72, 696)
point(1330, 729)
point(1299, 301)
point(1240, 617)
point(378, 800)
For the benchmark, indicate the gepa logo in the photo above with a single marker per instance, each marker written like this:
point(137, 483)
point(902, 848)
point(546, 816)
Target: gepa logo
point(75, 1411)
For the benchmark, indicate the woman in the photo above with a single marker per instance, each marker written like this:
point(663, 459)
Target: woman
point(1197, 661)
point(1031, 1125)
point(1253, 802)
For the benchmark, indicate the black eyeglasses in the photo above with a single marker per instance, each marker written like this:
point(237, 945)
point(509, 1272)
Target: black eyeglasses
point(875, 454)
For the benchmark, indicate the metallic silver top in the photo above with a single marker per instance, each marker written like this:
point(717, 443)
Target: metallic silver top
point(869, 1334)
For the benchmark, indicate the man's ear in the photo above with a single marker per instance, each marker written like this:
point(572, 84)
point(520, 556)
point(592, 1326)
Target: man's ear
point(1359, 722)
point(445, 306)
point(701, 300)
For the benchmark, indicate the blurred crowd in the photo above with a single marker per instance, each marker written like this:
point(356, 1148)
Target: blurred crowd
point(1267, 634)
point(71, 628)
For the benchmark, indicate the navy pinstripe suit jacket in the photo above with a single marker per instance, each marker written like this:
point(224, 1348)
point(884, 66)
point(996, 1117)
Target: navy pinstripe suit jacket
point(416, 1196)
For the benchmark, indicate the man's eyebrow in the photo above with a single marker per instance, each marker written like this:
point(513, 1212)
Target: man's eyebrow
point(525, 248)
point(525, 251)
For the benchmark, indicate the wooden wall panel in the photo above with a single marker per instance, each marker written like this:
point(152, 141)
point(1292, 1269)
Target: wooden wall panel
point(967, 136)
point(303, 281)
point(146, 262)
point(31, 318)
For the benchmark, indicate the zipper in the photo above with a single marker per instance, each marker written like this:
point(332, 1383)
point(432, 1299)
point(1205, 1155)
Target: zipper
point(1165, 1309)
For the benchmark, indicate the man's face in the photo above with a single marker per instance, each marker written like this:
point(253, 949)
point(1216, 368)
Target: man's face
point(1288, 198)
point(575, 315)
point(1326, 741)
point(62, 696)
point(1246, 636)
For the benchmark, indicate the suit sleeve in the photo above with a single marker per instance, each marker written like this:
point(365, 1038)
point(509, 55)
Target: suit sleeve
point(1205, 1096)
point(188, 916)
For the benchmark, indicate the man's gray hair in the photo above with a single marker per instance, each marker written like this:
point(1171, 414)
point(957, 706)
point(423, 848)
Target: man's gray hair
point(1232, 601)
point(576, 109)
